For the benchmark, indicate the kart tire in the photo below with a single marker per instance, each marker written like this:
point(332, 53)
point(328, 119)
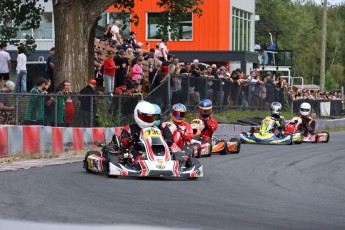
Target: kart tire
point(327, 137)
point(291, 140)
point(86, 164)
point(238, 144)
point(224, 151)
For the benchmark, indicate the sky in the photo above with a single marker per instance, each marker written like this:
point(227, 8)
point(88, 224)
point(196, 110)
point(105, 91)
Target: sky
point(330, 2)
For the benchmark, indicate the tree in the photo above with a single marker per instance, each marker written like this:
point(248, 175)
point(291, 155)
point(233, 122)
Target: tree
point(18, 15)
point(75, 22)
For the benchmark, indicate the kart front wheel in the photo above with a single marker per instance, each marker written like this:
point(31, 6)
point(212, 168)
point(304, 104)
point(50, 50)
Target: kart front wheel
point(238, 144)
point(86, 163)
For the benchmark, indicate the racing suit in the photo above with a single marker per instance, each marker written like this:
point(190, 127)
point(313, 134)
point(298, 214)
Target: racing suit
point(211, 126)
point(279, 126)
point(307, 126)
point(130, 141)
point(186, 132)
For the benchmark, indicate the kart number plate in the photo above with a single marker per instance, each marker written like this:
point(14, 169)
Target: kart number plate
point(151, 133)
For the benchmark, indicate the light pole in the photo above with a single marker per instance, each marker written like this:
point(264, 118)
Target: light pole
point(323, 46)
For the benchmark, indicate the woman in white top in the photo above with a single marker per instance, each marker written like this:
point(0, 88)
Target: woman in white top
point(21, 71)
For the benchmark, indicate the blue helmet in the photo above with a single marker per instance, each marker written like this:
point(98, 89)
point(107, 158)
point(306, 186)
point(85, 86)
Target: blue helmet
point(178, 113)
point(205, 108)
point(157, 115)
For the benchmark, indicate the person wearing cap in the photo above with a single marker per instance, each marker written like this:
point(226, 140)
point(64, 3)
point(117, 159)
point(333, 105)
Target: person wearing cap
point(5, 64)
point(4, 103)
point(85, 103)
point(131, 41)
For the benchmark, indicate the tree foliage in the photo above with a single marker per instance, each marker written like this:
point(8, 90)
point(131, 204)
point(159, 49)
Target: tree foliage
point(300, 22)
point(18, 15)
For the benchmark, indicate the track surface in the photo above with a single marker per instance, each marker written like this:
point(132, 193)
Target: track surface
point(264, 187)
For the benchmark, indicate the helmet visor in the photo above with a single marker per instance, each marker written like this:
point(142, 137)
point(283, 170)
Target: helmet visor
point(149, 118)
point(305, 110)
point(179, 115)
point(205, 112)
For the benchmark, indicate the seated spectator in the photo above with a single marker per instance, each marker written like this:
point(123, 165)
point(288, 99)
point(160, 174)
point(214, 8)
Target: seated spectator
point(121, 90)
point(125, 45)
point(131, 41)
point(5, 107)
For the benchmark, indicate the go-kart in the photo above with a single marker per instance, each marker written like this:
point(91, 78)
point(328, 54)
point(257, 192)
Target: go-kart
point(265, 135)
point(293, 126)
point(216, 145)
point(154, 160)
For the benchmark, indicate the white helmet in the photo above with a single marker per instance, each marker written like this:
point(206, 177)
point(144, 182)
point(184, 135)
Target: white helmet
point(276, 108)
point(305, 109)
point(144, 114)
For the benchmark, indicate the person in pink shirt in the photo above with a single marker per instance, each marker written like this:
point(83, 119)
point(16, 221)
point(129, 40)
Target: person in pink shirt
point(137, 72)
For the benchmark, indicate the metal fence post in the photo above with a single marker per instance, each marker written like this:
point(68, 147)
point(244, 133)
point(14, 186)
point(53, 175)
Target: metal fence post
point(188, 86)
point(221, 99)
point(169, 91)
point(56, 112)
point(17, 108)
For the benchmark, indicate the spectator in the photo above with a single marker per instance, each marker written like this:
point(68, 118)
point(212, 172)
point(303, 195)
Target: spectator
point(109, 75)
point(216, 87)
point(69, 106)
point(156, 53)
point(161, 76)
point(264, 54)
point(35, 114)
point(150, 69)
point(21, 71)
point(115, 30)
point(163, 51)
point(137, 72)
point(98, 66)
point(124, 45)
point(169, 61)
point(5, 64)
point(157, 67)
point(107, 33)
point(87, 103)
point(121, 68)
point(121, 90)
point(5, 107)
point(150, 54)
point(57, 116)
point(270, 85)
point(4, 103)
point(50, 65)
point(131, 41)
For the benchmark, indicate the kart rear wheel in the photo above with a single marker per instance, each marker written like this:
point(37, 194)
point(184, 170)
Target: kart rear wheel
point(86, 164)
point(327, 137)
point(238, 142)
point(224, 151)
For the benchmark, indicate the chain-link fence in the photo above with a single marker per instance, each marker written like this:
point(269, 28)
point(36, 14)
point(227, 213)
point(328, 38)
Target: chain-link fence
point(66, 110)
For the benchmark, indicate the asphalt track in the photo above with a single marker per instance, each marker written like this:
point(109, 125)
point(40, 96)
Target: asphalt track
point(264, 187)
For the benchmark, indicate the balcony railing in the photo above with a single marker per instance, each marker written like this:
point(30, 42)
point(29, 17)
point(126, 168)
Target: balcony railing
point(275, 57)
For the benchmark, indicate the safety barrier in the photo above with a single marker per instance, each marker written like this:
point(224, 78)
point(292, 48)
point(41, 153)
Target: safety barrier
point(46, 139)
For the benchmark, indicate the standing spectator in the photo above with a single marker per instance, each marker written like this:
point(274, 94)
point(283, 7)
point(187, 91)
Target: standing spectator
point(98, 65)
point(107, 33)
point(169, 61)
point(270, 85)
point(150, 54)
point(5, 64)
point(58, 111)
point(50, 65)
point(160, 77)
point(131, 41)
point(115, 30)
point(163, 51)
point(21, 71)
point(86, 102)
point(69, 106)
point(34, 114)
point(156, 53)
point(137, 71)
point(121, 68)
point(109, 75)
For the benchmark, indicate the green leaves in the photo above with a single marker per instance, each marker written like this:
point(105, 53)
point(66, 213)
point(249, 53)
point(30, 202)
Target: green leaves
point(19, 15)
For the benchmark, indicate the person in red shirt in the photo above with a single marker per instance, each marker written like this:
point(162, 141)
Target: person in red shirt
point(211, 124)
point(121, 90)
point(109, 75)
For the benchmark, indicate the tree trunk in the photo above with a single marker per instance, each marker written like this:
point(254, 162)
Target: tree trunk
point(75, 22)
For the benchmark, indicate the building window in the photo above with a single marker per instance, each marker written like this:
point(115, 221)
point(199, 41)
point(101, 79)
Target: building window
point(109, 18)
point(45, 31)
point(185, 28)
point(241, 30)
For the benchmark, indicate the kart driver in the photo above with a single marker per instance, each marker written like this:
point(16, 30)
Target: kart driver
point(178, 114)
point(276, 108)
point(308, 123)
point(211, 124)
point(144, 116)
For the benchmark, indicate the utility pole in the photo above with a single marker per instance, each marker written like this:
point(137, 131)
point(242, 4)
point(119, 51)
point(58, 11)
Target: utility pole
point(323, 46)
